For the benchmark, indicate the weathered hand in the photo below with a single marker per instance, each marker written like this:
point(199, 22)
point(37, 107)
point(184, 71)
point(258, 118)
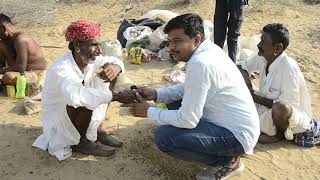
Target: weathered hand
point(109, 72)
point(127, 96)
point(138, 109)
point(147, 93)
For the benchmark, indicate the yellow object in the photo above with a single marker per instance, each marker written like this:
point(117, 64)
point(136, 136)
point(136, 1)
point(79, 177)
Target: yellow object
point(132, 55)
point(11, 91)
point(138, 54)
point(161, 106)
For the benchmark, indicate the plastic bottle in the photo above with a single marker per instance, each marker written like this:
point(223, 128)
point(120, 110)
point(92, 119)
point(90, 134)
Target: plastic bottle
point(11, 91)
point(21, 86)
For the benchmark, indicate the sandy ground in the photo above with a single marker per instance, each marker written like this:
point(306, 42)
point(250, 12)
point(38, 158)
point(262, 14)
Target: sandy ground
point(140, 158)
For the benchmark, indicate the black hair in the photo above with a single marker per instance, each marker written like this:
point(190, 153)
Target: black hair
point(192, 24)
point(4, 18)
point(71, 46)
point(278, 34)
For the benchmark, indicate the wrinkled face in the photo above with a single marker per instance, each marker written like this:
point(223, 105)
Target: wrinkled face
point(89, 50)
point(266, 46)
point(181, 45)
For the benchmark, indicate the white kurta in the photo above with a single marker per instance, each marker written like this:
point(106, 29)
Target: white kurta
point(284, 82)
point(64, 86)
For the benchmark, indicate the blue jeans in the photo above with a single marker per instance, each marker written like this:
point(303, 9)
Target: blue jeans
point(206, 143)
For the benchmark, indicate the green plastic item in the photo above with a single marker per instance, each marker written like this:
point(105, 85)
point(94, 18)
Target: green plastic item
point(21, 86)
point(161, 106)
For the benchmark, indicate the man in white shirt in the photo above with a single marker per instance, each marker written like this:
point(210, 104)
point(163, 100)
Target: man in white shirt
point(217, 120)
point(72, 107)
point(282, 102)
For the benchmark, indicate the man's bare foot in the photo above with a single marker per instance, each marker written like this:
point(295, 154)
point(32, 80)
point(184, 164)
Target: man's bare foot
point(265, 139)
point(91, 148)
point(108, 139)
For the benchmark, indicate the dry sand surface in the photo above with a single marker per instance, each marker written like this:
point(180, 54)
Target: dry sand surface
point(140, 158)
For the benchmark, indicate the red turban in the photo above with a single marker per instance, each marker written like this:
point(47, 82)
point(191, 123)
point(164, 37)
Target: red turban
point(82, 30)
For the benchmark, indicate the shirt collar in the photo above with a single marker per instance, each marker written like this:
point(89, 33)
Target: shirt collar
point(203, 45)
point(275, 64)
point(75, 66)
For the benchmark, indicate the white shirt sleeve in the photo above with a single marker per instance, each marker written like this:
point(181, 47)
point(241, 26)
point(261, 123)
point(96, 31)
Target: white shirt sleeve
point(170, 94)
point(76, 95)
point(252, 64)
point(196, 89)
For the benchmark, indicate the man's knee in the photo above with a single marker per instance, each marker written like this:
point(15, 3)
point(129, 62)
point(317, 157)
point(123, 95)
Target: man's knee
point(162, 138)
point(281, 112)
point(9, 78)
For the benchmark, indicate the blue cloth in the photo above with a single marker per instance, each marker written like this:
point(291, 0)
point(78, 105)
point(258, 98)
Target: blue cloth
point(245, 2)
point(207, 143)
point(309, 138)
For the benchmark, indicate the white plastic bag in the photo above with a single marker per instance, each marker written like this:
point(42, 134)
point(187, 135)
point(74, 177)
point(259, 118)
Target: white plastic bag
point(111, 48)
point(208, 30)
point(136, 33)
point(165, 15)
point(249, 42)
point(32, 104)
point(246, 53)
point(156, 38)
point(164, 54)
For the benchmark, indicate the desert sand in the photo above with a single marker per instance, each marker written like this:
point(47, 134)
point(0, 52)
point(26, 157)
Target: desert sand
point(139, 158)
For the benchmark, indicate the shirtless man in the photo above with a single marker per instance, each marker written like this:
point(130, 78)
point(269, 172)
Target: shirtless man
point(19, 53)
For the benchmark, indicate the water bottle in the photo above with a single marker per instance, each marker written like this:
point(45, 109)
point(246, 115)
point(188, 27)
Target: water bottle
point(21, 86)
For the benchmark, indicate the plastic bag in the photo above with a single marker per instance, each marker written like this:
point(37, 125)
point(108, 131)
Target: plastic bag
point(164, 54)
point(250, 42)
point(32, 104)
point(165, 15)
point(208, 30)
point(136, 33)
point(152, 23)
point(246, 53)
point(111, 48)
point(157, 38)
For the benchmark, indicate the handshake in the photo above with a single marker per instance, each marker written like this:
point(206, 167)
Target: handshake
point(135, 95)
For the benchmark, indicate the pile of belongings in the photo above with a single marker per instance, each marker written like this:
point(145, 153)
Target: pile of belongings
point(144, 38)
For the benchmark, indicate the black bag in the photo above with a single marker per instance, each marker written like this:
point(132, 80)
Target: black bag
point(152, 23)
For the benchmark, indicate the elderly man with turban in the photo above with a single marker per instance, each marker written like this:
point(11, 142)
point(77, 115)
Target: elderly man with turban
point(73, 110)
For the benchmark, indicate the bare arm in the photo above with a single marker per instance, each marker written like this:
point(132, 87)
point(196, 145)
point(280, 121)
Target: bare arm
point(21, 47)
point(263, 101)
point(21, 60)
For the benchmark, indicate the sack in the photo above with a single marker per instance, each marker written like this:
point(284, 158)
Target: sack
point(111, 48)
point(157, 38)
point(133, 34)
point(165, 15)
point(151, 23)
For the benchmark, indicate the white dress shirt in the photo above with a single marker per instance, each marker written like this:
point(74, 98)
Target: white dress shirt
point(284, 82)
point(64, 86)
point(214, 91)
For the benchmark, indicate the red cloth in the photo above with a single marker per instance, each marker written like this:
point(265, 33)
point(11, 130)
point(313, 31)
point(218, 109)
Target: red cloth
point(82, 30)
